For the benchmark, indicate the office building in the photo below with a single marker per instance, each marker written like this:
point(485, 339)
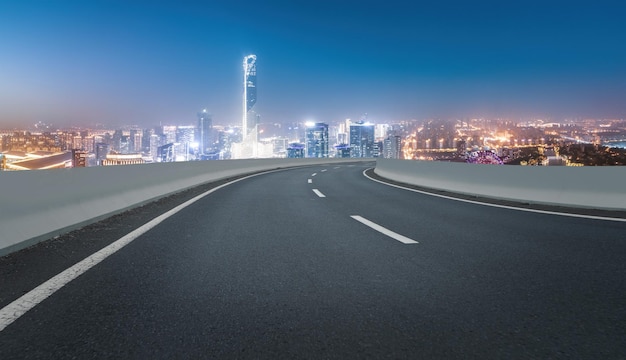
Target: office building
point(249, 95)
point(203, 132)
point(361, 140)
point(392, 147)
point(316, 140)
point(165, 153)
point(101, 150)
point(134, 141)
point(249, 145)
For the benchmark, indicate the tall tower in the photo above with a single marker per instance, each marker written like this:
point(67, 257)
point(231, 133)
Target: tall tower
point(249, 93)
point(203, 132)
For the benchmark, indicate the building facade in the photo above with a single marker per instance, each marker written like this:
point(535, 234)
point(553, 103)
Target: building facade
point(361, 140)
point(203, 132)
point(317, 140)
point(295, 151)
point(392, 147)
point(249, 95)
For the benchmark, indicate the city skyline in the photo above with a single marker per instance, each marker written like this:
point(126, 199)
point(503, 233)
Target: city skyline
point(145, 63)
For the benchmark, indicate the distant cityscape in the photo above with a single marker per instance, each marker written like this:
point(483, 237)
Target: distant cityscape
point(570, 142)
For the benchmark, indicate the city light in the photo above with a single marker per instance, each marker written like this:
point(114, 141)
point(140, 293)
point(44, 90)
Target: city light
point(471, 139)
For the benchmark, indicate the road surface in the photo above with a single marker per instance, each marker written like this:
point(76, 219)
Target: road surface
point(322, 262)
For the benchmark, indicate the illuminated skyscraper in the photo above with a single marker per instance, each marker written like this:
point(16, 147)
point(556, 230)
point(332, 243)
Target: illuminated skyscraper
point(102, 150)
point(203, 132)
point(134, 141)
point(392, 147)
point(249, 93)
point(362, 139)
point(249, 147)
point(317, 140)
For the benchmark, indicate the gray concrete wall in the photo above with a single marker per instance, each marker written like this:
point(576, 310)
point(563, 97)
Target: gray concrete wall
point(602, 187)
point(38, 205)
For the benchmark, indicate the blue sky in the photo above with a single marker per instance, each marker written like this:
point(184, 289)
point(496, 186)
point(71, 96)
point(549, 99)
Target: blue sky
point(145, 62)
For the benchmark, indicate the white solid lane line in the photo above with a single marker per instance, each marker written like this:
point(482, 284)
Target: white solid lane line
point(19, 307)
point(313, 174)
point(310, 181)
point(318, 193)
point(593, 217)
point(323, 170)
point(384, 230)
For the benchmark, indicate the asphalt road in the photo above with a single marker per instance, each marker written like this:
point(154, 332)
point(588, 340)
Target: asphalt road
point(268, 268)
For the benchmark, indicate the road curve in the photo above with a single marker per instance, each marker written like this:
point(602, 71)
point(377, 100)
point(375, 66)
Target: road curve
point(282, 265)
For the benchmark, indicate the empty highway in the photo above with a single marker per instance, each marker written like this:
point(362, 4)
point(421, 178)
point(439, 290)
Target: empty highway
point(323, 262)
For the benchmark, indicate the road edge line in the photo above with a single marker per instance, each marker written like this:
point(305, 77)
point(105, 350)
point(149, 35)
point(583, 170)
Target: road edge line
point(26, 302)
point(592, 217)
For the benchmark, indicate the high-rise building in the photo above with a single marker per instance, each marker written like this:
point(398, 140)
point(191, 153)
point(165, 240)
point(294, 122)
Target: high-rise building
point(249, 94)
point(134, 141)
point(185, 134)
point(165, 153)
point(378, 149)
point(116, 141)
point(102, 150)
point(145, 140)
point(125, 145)
point(362, 140)
point(392, 147)
point(249, 147)
point(156, 140)
point(203, 132)
point(280, 146)
point(316, 140)
point(225, 140)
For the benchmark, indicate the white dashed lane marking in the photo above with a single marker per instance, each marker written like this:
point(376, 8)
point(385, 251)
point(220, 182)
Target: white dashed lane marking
point(318, 193)
point(394, 235)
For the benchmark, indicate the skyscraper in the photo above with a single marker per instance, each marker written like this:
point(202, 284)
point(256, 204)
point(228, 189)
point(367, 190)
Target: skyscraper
point(102, 150)
point(392, 147)
point(249, 94)
point(134, 141)
point(249, 146)
point(203, 132)
point(316, 140)
point(362, 139)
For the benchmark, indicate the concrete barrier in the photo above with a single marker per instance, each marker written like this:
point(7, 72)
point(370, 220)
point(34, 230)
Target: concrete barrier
point(579, 187)
point(38, 205)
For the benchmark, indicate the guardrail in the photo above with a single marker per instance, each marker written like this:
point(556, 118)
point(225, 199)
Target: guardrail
point(599, 187)
point(40, 204)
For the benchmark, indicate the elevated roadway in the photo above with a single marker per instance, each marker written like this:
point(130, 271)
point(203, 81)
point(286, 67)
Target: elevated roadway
point(320, 262)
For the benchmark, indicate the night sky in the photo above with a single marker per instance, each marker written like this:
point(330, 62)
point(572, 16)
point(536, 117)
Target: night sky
point(145, 62)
